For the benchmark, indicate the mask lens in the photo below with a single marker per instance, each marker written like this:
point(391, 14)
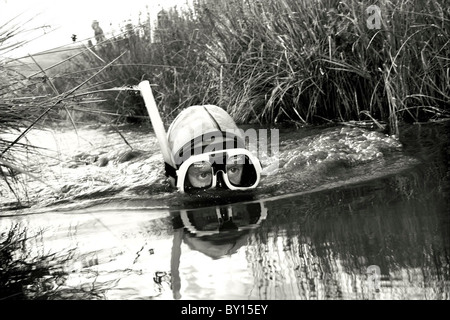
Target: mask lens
point(240, 171)
point(199, 175)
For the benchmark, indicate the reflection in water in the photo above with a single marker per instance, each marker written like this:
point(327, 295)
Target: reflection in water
point(386, 238)
point(215, 231)
point(318, 245)
point(321, 246)
point(29, 272)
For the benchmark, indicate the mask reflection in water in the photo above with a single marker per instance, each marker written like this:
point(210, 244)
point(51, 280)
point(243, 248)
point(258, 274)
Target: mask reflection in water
point(215, 231)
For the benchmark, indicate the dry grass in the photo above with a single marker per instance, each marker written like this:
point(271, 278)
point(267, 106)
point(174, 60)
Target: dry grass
point(270, 61)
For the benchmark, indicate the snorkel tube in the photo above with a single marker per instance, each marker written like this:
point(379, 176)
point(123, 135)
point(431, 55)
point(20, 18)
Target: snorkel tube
point(155, 118)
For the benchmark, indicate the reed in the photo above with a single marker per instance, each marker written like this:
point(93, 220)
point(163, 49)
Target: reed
point(310, 61)
point(175, 65)
point(28, 101)
point(19, 102)
point(40, 275)
point(301, 61)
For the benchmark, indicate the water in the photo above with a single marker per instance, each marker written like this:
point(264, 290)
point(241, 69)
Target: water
point(351, 214)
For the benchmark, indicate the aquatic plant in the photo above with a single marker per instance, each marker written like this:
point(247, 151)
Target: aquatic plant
point(29, 99)
point(300, 61)
point(24, 276)
point(313, 61)
point(19, 104)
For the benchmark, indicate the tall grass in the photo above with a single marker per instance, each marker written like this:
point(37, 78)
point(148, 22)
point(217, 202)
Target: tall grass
point(176, 65)
point(288, 60)
point(312, 60)
point(19, 102)
point(26, 102)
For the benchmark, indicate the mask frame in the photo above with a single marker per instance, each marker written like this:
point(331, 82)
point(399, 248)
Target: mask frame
point(181, 173)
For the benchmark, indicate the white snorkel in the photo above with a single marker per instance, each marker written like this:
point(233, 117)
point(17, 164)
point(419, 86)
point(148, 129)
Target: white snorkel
point(155, 118)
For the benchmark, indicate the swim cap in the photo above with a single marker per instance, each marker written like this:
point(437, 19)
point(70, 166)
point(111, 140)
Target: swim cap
point(197, 127)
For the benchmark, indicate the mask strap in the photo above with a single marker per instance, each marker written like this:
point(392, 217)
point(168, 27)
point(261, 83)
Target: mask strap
point(190, 146)
point(170, 171)
point(213, 119)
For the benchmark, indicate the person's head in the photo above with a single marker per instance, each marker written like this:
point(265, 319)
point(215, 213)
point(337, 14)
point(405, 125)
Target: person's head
point(209, 151)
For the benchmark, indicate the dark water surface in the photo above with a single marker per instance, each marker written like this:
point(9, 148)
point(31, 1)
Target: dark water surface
point(350, 215)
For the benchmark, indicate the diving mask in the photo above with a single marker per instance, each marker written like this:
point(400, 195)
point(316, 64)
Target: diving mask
point(235, 169)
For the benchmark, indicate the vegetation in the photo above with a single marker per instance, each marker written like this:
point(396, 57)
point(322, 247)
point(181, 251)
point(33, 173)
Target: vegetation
point(284, 60)
point(27, 101)
point(265, 61)
point(39, 277)
point(272, 61)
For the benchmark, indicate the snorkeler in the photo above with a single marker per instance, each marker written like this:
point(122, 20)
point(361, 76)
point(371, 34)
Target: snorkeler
point(203, 148)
